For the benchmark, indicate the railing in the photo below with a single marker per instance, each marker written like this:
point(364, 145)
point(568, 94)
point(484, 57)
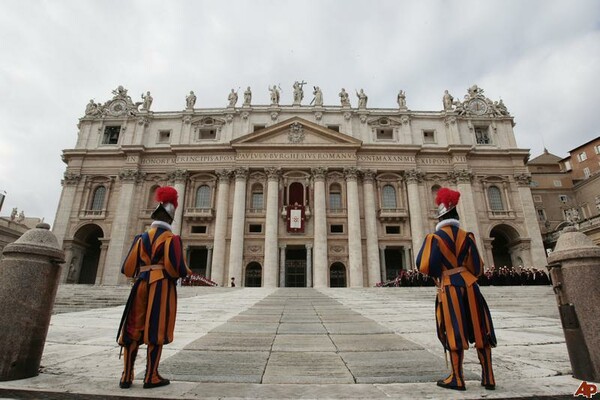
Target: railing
point(501, 214)
point(199, 213)
point(336, 211)
point(92, 214)
point(589, 223)
point(255, 212)
point(390, 214)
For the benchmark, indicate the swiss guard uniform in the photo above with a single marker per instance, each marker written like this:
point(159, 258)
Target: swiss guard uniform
point(155, 261)
point(451, 258)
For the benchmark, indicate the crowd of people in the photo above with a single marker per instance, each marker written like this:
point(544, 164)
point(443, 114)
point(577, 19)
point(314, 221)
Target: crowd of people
point(493, 276)
point(197, 280)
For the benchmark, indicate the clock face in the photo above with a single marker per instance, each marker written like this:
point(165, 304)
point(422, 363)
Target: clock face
point(478, 106)
point(118, 107)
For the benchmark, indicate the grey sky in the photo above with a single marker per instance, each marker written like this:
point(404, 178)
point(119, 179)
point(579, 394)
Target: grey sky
point(541, 57)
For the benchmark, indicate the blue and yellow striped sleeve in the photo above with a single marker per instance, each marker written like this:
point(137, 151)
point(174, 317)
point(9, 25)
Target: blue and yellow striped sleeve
point(429, 260)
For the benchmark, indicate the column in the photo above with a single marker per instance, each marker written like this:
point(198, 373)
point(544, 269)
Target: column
point(238, 221)
point(282, 265)
point(65, 208)
point(406, 256)
point(538, 253)
point(466, 205)
point(102, 261)
point(382, 262)
point(354, 234)
point(120, 241)
point(373, 264)
point(270, 268)
point(413, 178)
point(179, 178)
point(209, 251)
point(309, 280)
point(320, 276)
point(218, 258)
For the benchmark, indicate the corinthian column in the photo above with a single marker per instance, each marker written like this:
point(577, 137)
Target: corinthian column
point(119, 240)
point(413, 178)
point(320, 226)
point(179, 178)
point(65, 207)
point(237, 224)
point(270, 267)
point(538, 254)
point(218, 256)
point(354, 234)
point(373, 265)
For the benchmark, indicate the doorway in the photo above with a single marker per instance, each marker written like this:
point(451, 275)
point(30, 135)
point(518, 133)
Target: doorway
point(198, 259)
point(393, 262)
point(295, 267)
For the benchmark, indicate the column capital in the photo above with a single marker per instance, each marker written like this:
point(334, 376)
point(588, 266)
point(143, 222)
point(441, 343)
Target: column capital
point(368, 175)
point(70, 178)
point(308, 246)
point(179, 175)
point(282, 247)
point(241, 173)
point(318, 173)
point(273, 173)
point(209, 247)
point(223, 175)
point(461, 176)
point(351, 173)
point(414, 175)
point(131, 175)
point(523, 179)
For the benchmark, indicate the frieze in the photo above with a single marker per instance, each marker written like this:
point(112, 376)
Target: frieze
point(296, 156)
point(254, 249)
point(337, 249)
point(206, 158)
point(433, 161)
point(385, 158)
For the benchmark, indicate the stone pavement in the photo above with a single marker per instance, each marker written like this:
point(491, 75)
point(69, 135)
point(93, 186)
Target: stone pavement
point(374, 343)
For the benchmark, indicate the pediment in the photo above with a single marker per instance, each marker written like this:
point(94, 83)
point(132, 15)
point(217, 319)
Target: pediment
point(296, 132)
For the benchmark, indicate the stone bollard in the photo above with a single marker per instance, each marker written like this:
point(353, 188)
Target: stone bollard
point(575, 270)
point(29, 274)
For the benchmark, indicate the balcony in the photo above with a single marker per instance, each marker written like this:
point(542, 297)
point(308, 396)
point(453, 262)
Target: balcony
point(199, 214)
point(392, 214)
point(92, 214)
point(255, 212)
point(333, 212)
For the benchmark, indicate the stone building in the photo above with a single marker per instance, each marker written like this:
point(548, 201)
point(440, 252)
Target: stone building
point(294, 195)
point(567, 192)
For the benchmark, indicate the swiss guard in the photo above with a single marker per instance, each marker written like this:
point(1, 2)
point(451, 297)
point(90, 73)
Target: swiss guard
point(155, 261)
point(451, 258)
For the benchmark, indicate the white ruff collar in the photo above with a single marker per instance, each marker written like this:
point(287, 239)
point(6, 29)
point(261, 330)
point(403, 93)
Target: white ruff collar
point(450, 221)
point(161, 224)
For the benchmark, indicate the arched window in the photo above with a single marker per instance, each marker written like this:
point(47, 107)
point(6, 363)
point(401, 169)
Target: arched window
point(389, 197)
point(257, 200)
point(495, 198)
point(203, 197)
point(335, 197)
point(98, 198)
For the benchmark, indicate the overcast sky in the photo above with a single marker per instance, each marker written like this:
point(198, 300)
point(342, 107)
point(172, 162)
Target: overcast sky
point(541, 57)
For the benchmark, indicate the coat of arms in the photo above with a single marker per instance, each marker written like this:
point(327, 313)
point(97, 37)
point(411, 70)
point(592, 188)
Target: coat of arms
point(296, 134)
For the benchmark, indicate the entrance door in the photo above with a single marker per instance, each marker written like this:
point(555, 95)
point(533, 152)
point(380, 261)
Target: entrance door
point(197, 261)
point(393, 262)
point(295, 267)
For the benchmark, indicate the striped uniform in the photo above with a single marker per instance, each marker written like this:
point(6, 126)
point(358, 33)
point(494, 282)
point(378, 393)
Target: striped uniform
point(461, 312)
point(149, 315)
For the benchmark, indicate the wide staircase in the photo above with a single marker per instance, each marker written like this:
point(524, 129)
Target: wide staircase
point(77, 297)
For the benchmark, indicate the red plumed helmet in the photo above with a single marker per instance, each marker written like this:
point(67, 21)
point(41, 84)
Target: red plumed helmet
point(166, 194)
point(446, 199)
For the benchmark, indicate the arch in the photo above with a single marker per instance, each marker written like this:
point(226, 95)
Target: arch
point(495, 198)
point(389, 200)
point(86, 252)
point(98, 198)
point(257, 200)
point(203, 197)
point(337, 275)
point(253, 275)
point(504, 241)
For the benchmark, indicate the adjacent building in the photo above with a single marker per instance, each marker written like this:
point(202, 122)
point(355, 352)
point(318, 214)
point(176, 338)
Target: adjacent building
point(300, 195)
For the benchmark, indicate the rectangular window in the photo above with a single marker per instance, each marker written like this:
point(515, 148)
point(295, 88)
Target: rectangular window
point(164, 136)
point(541, 214)
point(597, 149)
point(111, 134)
point(392, 229)
point(335, 201)
point(255, 228)
point(586, 172)
point(336, 228)
point(563, 198)
point(482, 135)
point(207, 134)
point(257, 201)
point(257, 128)
point(557, 183)
point(199, 229)
point(537, 198)
point(582, 156)
point(568, 166)
point(428, 136)
point(385, 134)
point(334, 127)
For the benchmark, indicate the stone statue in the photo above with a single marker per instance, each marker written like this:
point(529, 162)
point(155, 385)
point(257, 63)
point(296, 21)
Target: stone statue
point(72, 270)
point(474, 91)
point(21, 216)
point(318, 99)
point(298, 92)
point(120, 91)
point(274, 95)
point(92, 109)
point(401, 99)
point(362, 99)
point(448, 101)
point(344, 98)
point(13, 214)
point(147, 101)
point(190, 100)
point(247, 97)
point(501, 108)
point(233, 98)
